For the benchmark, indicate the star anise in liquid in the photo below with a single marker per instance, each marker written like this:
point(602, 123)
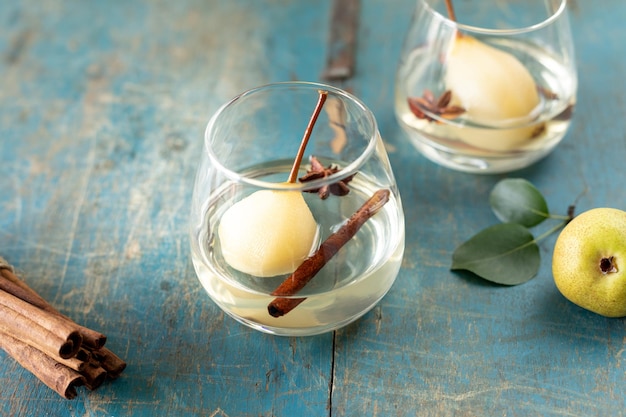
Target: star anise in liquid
point(423, 107)
point(318, 171)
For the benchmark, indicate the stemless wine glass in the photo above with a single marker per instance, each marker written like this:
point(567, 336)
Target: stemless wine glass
point(296, 257)
point(492, 91)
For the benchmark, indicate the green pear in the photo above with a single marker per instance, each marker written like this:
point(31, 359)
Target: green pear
point(495, 89)
point(268, 233)
point(589, 261)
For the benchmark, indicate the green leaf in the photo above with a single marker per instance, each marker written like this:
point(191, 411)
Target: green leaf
point(516, 200)
point(505, 253)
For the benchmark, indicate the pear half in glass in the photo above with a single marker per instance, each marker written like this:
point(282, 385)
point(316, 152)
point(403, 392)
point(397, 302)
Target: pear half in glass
point(495, 89)
point(268, 233)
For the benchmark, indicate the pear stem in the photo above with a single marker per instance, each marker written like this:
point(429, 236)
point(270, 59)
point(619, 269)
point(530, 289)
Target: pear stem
point(564, 221)
point(549, 232)
point(293, 175)
point(559, 217)
point(452, 17)
point(568, 218)
point(450, 9)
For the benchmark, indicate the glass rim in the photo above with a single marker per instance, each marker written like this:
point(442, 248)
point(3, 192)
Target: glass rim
point(487, 31)
point(351, 168)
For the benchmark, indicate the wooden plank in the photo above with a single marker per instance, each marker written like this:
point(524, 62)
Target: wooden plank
point(447, 344)
point(103, 112)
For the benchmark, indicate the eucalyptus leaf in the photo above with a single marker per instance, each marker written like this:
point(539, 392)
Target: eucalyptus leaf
point(516, 200)
point(505, 253)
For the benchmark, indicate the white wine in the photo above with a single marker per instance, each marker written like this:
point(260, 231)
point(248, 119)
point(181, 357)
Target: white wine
point(349, 284)
point(478, 145)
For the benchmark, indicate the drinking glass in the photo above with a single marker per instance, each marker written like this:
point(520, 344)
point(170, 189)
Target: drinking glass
point(248, 213)
point(491, 89)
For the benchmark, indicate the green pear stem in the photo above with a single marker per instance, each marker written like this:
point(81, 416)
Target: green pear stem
point(293, 175)
point(544, 235)
point(571, 213)
point(549, 232)
point(562, 224)
point(565, 220)
point(560, 217)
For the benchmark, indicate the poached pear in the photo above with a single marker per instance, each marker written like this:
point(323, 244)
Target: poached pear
point(268, 233)
point(495, 89)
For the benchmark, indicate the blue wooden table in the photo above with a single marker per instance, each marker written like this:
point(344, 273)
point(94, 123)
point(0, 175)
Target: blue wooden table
point(102, 111)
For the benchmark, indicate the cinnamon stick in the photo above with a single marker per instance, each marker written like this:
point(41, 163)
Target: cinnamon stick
point(112, 363)
point(60, 378)
point(62, 328)
point(60, 352)
point(83, 355)
point(312, 265)
point(11, 284)
point(94, 376)
point(74, 363)
point(29, 332)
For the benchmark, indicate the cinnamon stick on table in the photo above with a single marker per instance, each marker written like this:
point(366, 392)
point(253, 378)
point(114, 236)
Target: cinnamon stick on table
point(15, 286)
point(35, 319)
point(61, 353)
point(312, 265)
point(56, 376)
point(29, 332)
point(113, 364)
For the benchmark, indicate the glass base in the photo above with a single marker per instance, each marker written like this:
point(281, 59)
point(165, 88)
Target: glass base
point(294, 331)
point(476, 164)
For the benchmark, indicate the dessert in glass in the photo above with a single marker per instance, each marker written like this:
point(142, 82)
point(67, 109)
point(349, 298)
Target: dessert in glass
point(297, 226)
point(486, 86)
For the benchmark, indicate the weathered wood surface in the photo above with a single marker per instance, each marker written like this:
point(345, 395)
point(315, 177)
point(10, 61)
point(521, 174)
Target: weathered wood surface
point(102, 112)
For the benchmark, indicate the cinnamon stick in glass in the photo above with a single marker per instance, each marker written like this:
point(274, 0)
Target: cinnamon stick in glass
point(312, 265)
point(60, 378)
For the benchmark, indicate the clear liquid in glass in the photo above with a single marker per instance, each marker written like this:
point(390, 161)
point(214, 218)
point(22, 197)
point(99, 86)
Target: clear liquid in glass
point(348, 286)
point(468, 145)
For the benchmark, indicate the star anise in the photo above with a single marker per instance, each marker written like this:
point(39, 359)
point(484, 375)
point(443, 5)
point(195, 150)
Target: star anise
point(547, 93)
point(423, 107)
point(318, 171)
